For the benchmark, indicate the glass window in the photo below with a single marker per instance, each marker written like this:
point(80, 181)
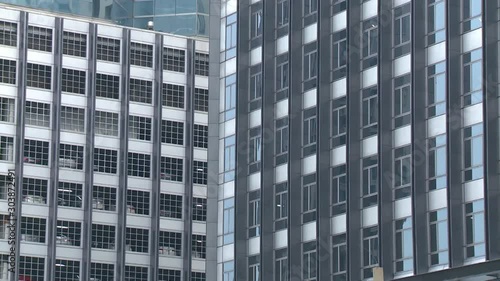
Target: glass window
point(74, 44)
point(37, 114)
point(40, 38)
point(281, 267)
point(201, 99)
point(174, 60)
point(8, 33)
point(254, 217)
point(139, 165)
point(228, 223)
point(228, 268)
point(256, 24)
point(310, 65)
point(103, 236)
point(230, 98)
point(310, 131)
point(473, 77)
point(282, 13)
point(282, 135)
point(71, 156)
point(339, 56)
point(201, 64)
point(107, 86)
point(255, 86)
point(7, 71)
point(39, 76)
point(403, 261)
point(231, 36)
point(310, 7)
point(200, 136)
point(339, 257)
point(339, 121)
point(199, 209)
point(172, 132)
point(66, 270)
point(436, 21)
point(339, 190)
point(173, 95)
point(309, 262)
point(370, 112)
point(474, 229)
point(472, 10)
point(73, 81)
point(171, 169)
point(437, 165)
point(402, 172)
point(32, 267)
point(255, 148)
point(102, 271)
point(370, 38)
point(199, 172)
point(438, 234)
point(141, 91)
point(402, 30)
point(170, 244)
point(473, 152)
point(229, 158)
point(6, 149)
point(139, 127)
point(171, 206)
point(141, 54)
point(436, 89)
point(136, 272)
point(402, 101)
point(198, 246)
point(281, 205)
point(309, 198)
point(36, 152)
point(370, 251)
point(108, 49)
point(137, 240)
point(7, 110)
point(105, 160)
point(370, 182)
point(169, 275)
point(282, 76)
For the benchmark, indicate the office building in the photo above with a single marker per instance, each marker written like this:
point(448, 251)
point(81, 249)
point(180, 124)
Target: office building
point(356, 137)
point(181, 17)
point(106, 131)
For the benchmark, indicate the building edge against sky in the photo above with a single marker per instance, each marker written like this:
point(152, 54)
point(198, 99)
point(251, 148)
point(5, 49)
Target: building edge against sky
point(110, 186)
point(182, 17)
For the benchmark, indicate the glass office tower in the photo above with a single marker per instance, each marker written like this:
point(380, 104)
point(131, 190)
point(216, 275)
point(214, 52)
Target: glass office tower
point(356, 138)
point(182, 17)
point(105, 130)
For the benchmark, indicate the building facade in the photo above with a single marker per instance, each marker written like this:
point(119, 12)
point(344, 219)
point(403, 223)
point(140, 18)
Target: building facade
point(182, 17)
point(356, 136)
point(104, 133)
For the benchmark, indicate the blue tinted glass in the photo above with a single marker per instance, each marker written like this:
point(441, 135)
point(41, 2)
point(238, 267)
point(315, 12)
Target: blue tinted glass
point(177, 24)
point(143, 8)
point(185, 6)
point(475, 8)
point(203, 6)
point(442, 236)
point(439, 14)
point(203, 25)
point(479, 228)
point(164, 7)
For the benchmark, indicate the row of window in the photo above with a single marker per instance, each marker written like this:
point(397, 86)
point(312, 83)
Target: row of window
point(403, 247)
point(108, 49)
point(69, 233)
point(106, 123)
point(33, 268)
point(105, 160)
point(70, 195)
point(107, 86)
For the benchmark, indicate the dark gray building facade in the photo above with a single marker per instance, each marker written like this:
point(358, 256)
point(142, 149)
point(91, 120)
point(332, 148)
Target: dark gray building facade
point(355, 137)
